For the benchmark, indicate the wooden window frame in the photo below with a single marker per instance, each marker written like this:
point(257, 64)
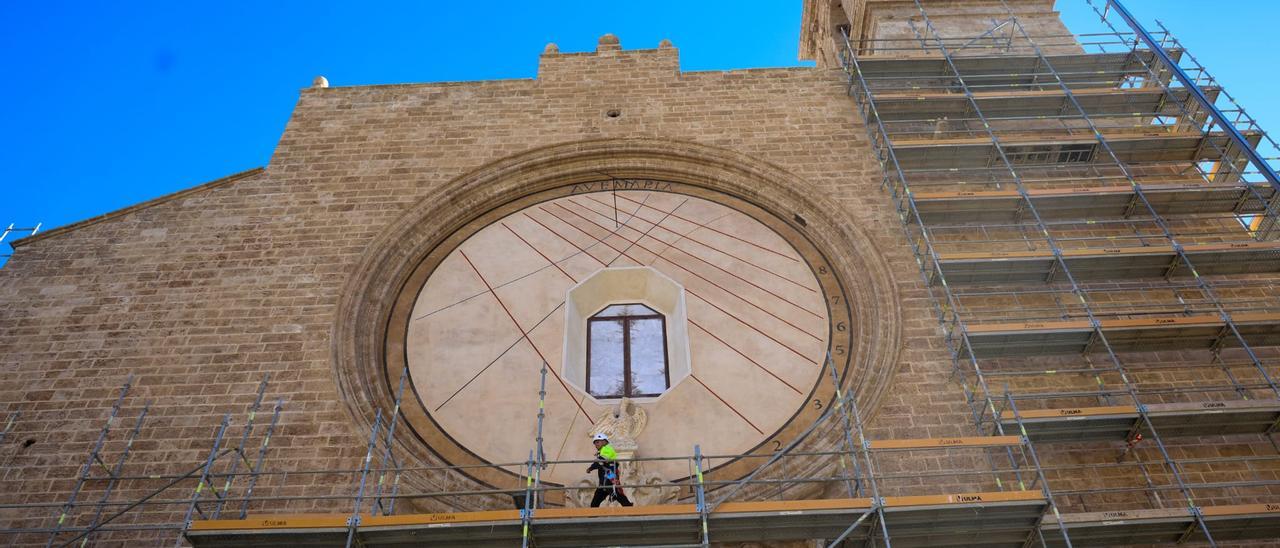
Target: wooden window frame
point(626, 320)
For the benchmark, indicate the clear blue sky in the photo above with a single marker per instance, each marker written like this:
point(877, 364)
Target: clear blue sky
point(106, 104)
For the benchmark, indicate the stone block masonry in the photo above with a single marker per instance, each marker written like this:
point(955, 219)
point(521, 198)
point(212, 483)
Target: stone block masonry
point(199, 294)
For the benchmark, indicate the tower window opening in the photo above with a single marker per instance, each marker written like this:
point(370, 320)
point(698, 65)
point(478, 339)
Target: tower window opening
point(627, 352)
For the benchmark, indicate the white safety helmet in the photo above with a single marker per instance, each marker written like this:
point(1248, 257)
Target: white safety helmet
point(600, 437)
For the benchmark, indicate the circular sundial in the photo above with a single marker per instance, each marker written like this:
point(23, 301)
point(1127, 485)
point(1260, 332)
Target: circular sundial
point(712, 315)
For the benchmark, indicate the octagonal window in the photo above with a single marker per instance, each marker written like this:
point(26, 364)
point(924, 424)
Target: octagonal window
point(627, 352)
point(625, 335)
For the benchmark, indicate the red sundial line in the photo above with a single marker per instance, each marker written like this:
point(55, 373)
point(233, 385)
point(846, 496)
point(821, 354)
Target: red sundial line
point(611, 232)
point(557, 234)
point(697, 258)
point(726, 404)
point(572, 422)
point(526, 275)
point(495, 360)
point(720, 232)
point(540, 254)
point(525, 334)
point(646, 232)
point(689, 236)
point(695, 294)
point(752, 327)
point(699, 276)
point(668, 246)
point(744, 355)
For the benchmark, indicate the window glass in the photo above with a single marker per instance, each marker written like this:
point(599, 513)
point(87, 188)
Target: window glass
point(648, 357)
point(626, 310)
point(626, 352)
point(606, 364)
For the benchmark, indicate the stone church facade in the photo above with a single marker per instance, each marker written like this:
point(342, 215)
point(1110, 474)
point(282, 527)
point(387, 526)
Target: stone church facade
point(307, 272)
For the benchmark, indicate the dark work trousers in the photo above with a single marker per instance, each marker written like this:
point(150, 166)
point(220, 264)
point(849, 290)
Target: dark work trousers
point(603, 492)
point(605, 468)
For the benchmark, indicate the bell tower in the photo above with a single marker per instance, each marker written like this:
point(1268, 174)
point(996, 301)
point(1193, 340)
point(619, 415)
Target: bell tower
point(897, 27)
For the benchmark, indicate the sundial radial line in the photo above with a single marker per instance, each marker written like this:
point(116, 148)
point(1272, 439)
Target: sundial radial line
point(499, 357)
point(540, 253)
point(567, 240)
point(695, 257)
point(745, 356)
point(668, 246)
point(480, 294)
point(655, 225)
point(727, 404)
point(748, 324)
point(524, 333)
point(703, 299)
point(568, 432)
point(471, 398)
point(688, 236)
point(695, 274)
point(743, 240)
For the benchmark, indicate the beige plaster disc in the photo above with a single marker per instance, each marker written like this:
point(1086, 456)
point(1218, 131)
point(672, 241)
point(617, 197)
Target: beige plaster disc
point(760, 320)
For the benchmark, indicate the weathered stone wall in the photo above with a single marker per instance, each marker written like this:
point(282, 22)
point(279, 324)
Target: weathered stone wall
point(200, 294)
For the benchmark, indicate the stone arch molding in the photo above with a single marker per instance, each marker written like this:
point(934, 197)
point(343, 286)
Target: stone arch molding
point(359, 336)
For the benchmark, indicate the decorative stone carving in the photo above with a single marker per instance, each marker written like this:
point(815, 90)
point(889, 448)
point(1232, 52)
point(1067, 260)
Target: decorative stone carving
point(622, 425)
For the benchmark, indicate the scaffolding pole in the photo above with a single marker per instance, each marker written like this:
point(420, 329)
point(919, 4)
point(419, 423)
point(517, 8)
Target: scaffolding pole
point(262, 457)
point(526, 511)
point(854, 485)
point(541, 455)
point(205, 474)
point(1152, 44)
point(388, 460)
point(877, 504)
point(354, 521)
point(114, 473)
point(700, 496)
point(95, 456)
point(240, 447)
point(1057, 251)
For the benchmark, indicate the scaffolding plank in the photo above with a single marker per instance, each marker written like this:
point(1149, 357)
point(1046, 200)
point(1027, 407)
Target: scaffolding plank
point(996, 206)
point(1111, 262)
point(998, 72)
point(971, 519)
point(1129, 334)
point(1116, 423)
point(936, 443)
point(1102, 102)
point(1148, 526)
point(1129, 147)
point(960, 519)
point(1233, 522)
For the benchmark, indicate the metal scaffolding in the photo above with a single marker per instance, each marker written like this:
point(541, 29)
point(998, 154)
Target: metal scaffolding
point(13, 232)
point(1077, 205)
point(1096, 227)
point(987, 489)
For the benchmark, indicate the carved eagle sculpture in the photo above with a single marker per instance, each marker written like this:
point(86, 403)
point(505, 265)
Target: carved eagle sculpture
point(624, 422)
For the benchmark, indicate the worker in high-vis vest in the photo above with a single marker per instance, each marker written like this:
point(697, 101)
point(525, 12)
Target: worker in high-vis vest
point(606, 469)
